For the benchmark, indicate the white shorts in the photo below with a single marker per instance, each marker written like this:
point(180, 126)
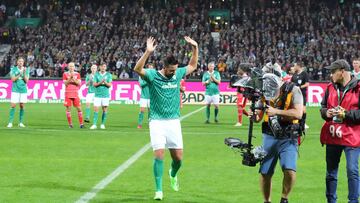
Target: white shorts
point(215, 99)
point(18, 97)
point(144, 103)
point(90, 98)
point(101, 101)
point(166, 133)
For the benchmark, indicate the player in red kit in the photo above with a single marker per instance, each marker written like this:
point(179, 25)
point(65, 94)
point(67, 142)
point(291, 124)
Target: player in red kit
point(72, 81)
point(241, 100)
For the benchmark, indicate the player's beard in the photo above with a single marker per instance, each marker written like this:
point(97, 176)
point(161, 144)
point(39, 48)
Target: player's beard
point(170, 75)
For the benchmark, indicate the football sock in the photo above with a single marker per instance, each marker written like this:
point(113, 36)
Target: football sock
point(96, 115)
point(68, 116)
point(80, 116)
point(175, 166)
point(141, 117)
point(158, 173)
point(103, 117)
point(22, 112)
point(216, 113)
point(87, 113)
point(12, 113)
point(207, 112)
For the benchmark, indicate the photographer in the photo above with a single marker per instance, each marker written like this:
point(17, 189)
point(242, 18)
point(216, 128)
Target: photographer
point(284, 108)
point(340, 110)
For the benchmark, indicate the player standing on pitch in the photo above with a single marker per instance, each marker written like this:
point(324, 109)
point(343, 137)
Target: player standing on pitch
point(102, 84)
point(72, 81)
point(90, 92)
point(19, 76)
point(165, 127)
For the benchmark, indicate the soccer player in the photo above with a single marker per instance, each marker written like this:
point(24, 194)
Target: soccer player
point(72, 81)
point(165, 128)
point(211, 80)
point(301, 79)
point(102, 84)
point(19, 76)
point(241, 100)
point(144, 98)
point(91, 91)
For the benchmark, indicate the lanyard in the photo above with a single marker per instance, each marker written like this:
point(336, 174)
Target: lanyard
point(340, 98)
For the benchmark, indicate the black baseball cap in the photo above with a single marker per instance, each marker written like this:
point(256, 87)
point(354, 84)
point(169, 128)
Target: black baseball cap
point(339, 64)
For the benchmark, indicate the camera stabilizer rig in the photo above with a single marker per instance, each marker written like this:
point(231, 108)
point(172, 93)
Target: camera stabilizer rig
point(251, 88)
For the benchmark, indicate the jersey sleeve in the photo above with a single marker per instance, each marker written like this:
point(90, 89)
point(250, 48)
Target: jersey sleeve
point(297, 97)
point(181, 72)
point(27, 72)
point(87, 78)
point(149, 75)
point(204, 78)
point(217, 76)
point(64, 76)
point(109, 78)
point(12, 72)
point(142, 82)
point(96, 78)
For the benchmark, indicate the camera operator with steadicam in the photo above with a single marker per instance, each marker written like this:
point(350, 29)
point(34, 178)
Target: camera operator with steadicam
point(280, 128)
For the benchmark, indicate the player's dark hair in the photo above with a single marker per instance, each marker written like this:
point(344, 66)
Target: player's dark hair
point(170, 60)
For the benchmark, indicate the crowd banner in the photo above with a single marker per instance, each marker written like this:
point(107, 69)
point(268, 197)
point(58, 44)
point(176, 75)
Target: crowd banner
point(128, 92)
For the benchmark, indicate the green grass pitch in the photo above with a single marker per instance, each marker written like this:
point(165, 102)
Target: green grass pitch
point(48, 162)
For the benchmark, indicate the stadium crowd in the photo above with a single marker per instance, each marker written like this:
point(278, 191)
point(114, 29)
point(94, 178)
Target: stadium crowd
point(116, 32)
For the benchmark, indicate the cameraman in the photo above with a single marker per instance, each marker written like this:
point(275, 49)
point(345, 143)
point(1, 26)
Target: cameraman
point(340, 110)
point(284, 108)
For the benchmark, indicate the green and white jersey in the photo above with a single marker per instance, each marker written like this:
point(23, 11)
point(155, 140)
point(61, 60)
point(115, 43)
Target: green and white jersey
point(145, 94)
point(164, 93)
point(19, 85)
point(212, 88)
point(102, 91)
point(90, 78)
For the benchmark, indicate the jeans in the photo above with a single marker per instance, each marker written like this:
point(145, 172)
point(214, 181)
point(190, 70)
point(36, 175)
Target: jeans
point(333, 154)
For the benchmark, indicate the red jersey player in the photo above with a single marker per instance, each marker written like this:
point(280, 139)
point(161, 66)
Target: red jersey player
point(241, 101)
point(72, 81)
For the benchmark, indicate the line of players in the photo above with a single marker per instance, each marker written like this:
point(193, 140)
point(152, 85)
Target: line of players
point(99, 83)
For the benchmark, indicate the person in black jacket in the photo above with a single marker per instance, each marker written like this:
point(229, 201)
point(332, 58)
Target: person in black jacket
point(301, 79)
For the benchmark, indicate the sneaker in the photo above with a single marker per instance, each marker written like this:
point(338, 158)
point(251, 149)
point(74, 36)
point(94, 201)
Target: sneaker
point(238, 124)
point(21, 125)
point(10, 125)
point(158, 195)
point(139, 127)
point(102, 126)
point(93, 127)
point(306, 126)
point(87, 120)
point(216, 120)
point(71, 126)
point(82, 126)
point(173, 182)
point(207, 122)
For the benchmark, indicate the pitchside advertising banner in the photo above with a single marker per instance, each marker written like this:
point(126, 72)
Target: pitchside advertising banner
point(128, 92)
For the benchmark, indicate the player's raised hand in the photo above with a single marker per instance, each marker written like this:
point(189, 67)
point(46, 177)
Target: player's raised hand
point(191, 41)
point(150, 44)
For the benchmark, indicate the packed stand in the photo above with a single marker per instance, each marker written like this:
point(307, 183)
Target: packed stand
point(116, 33)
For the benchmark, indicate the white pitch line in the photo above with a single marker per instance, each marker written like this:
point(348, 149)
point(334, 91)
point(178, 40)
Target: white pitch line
point(120, 169)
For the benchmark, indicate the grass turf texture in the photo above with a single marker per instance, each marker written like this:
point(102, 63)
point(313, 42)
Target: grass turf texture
point(48, 162)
